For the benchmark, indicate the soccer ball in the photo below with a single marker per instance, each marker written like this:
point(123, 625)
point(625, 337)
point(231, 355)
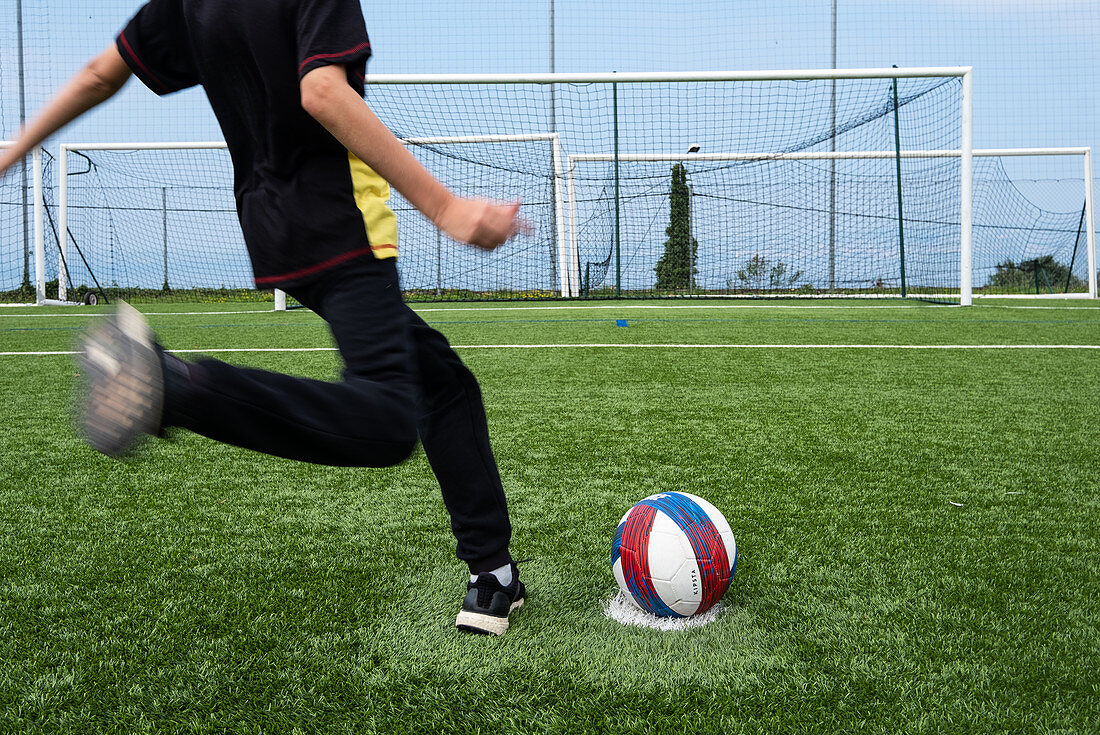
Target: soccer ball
point(674, 554)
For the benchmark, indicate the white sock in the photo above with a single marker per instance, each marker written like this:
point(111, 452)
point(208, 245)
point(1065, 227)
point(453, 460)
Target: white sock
point(503, 575)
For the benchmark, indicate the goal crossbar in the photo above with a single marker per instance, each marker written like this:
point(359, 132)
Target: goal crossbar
point(651, 77)
point(825, 155)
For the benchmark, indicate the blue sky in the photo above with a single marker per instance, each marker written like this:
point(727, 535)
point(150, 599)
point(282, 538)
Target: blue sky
point(1036, 78)
point(1037, 67)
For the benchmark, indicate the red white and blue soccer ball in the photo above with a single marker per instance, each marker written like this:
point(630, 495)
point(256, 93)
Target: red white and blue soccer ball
point(674, 554)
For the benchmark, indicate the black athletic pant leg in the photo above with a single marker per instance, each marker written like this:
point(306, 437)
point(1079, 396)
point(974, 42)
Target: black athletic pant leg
point(455, 435)
point(368, 420)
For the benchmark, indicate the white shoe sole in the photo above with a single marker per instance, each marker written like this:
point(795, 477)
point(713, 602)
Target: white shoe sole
point(483, 623)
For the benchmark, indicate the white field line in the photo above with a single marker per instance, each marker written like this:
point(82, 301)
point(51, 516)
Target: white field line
point(217, 350)
point(146, 313)
point(614, 307)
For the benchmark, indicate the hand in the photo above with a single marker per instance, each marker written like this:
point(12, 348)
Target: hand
point(483, 224)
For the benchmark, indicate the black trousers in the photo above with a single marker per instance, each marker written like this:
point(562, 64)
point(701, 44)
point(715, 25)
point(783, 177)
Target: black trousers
point(401, 381)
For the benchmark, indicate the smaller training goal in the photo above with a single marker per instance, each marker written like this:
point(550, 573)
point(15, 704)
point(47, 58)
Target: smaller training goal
point(760, 223)
point(158, 220)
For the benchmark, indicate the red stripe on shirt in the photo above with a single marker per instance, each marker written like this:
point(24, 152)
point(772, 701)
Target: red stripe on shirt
point(352, 50)
point(129, 49)
point(323, 265)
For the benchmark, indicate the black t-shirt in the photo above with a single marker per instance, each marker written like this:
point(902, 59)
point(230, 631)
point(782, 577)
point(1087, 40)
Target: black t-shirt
point(305, 203)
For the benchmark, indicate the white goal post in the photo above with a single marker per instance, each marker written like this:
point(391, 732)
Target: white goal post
point(966, 259)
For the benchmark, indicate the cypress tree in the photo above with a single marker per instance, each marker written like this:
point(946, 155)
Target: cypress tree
point(676, 266)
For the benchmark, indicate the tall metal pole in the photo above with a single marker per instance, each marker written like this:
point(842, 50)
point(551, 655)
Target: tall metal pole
point(618, 235)
point(832, 170)
point(164, 231)
point(554, 276)
point(691, 255)
point(691, 250)
point(23, 163)
point(553, 106)
point(897, 167)
point(438, 262)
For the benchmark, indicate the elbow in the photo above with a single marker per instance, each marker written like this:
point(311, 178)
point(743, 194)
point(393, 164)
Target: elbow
point(311, 103)
point(101, 86)
point(101, 89)
point(322, 91)
point(316, 97)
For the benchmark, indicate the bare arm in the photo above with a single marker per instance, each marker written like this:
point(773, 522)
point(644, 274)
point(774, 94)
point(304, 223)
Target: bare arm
point(327, 96)
point(95, 83)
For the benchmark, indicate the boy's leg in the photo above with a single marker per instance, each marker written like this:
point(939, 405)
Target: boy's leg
point(367, 420)
point(385, 347)
point(455, 436)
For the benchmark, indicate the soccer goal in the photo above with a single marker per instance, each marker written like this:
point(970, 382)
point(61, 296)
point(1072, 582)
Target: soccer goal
point(1034, 234)
point(887, 238)
point(158, 220)
point(777, 196)
point(152, 220)
point(812, 182)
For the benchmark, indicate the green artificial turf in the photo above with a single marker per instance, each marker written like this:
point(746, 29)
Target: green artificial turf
point(918, 533)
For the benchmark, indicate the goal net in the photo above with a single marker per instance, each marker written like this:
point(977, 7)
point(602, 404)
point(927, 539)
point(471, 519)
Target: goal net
point(150, 221)
point(731, 184)
point(158, 221)
point(16, 243)
point(648, 185)
point(1034, 236)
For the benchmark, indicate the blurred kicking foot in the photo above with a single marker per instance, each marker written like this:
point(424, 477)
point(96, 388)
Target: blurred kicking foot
point(123, 382)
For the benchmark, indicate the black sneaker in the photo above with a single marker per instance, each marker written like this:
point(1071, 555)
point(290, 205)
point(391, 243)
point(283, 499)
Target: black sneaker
point(488, 603)
point(123, 391)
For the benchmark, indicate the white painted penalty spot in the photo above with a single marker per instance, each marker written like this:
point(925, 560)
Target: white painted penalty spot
point(621, 609)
